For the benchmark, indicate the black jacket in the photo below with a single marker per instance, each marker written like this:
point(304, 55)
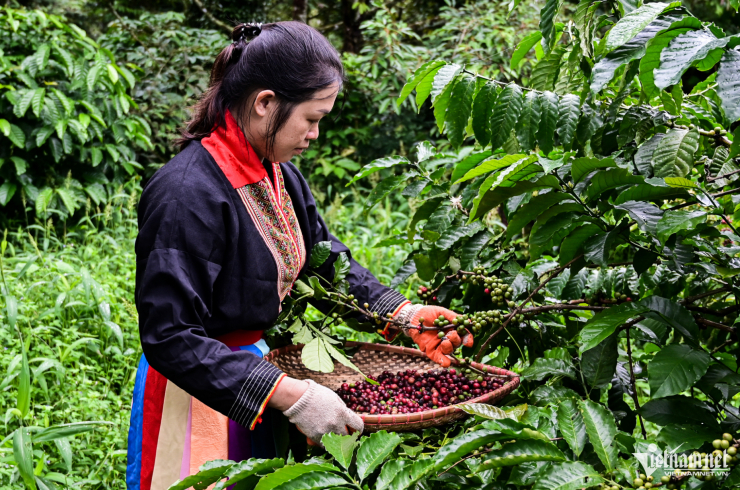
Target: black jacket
point(203, 270)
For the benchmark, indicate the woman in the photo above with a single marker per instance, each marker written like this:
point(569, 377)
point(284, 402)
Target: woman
point(224, 232)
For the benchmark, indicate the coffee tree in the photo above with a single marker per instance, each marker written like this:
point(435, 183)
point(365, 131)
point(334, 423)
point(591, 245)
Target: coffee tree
point(587, 239)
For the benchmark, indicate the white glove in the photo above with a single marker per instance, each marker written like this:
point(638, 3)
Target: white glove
point(320, 411)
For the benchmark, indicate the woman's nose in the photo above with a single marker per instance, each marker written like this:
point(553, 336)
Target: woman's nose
point(313, 133)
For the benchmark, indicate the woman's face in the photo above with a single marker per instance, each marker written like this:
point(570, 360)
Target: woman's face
point(302, 125)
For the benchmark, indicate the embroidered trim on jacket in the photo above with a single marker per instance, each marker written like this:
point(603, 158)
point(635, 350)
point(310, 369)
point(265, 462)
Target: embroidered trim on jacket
point(274, 216)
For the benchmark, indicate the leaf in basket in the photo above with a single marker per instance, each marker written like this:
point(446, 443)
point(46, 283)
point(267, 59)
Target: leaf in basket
point(341, 358)
point(316, 357)
point(374, 450)
point(486, 411)
point(341, 447)
point(303, 336)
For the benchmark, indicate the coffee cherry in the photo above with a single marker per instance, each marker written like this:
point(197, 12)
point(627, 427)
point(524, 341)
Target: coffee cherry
point(725, 444)
point(727, 437)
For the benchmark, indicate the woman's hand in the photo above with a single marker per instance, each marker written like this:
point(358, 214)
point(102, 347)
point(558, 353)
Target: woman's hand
point(318, 411)
point(428, 341)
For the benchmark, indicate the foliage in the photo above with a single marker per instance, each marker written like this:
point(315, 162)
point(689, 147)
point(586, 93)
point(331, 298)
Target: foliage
point(67, 133)
point(172, 66)
point(69, 298)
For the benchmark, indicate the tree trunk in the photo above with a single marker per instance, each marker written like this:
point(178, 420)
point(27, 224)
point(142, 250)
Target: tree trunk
point(352, 35)
point(300, 10)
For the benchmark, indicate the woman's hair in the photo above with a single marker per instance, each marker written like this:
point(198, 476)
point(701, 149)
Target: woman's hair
point(290, 58)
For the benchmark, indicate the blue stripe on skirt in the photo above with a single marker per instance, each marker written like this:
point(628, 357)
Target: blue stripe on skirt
point(135, 433)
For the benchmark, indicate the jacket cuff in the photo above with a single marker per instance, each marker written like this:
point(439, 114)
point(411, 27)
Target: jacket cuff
point(388, 303)
point(256, 391)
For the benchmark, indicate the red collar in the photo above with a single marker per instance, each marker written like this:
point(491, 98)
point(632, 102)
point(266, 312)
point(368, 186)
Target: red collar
point(234, 154)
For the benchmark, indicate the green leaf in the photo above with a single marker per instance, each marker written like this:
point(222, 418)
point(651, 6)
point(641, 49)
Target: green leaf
point(473, 247)
point(547, 14)
point(569, 111)
point(491, 165)
point(283, 477)
point(314, 480)
point(685, 437)
point(529, 121)
point(572, 245)
point(486, 411)
point(600, 363)
point(581, 167)
point(341, 447)
point(385, 187)
point(524, 46)
point(24, 378)
point(496, 196)
point(316, 357)
point(519, 452)
point(506, 112)
point(601, 430)
point(459, 110)
point(644, 155)
point(655, 46)
point(634, 49)
point(424, 211)
point(647, 192)
point(645, 214)
point(470, 162)
point(675, 221)
point(568, 476)
point(631, 24)
point(674, 156)
point(482, 109)
point(442, 79)
point(681, 53)
point(427, 69)
point(341, 267)
point(676, 368)
point(572, 428)
point(319, 253)
point(5, 127)
point(548, 120)
point(530, 211)
point(604, 323)
point(610, 179)
point(17, 136)
point(678, 410)
point(379, 164)
point(62, 431)
point(456, 233)
point(23, 455)
point(442, 103)
point(68, 199)
point(247, 468)
point(389, 471)
point(7, 190)
point(462, 445)
point(542, 368)
point(411, 474)
point(374, 450)
point(728, 84)
point(672, 313)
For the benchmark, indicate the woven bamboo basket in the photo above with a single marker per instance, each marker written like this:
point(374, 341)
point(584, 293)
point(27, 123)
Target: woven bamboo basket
point(373, 359)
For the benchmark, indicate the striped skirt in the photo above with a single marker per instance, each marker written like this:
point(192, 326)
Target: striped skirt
point(172, 434)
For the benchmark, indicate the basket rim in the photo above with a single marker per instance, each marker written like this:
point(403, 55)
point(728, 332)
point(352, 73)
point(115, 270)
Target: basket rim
point(413, 418)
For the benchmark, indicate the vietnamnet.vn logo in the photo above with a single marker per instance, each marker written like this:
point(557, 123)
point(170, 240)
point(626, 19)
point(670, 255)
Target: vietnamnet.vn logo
point(704, 466)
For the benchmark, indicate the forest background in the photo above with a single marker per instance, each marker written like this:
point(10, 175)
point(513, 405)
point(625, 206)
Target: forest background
point(69, 333)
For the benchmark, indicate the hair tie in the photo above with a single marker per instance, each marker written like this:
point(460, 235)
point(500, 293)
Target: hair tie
point(246, 31)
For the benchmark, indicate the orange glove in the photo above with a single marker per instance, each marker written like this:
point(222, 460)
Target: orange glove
point(428, 341)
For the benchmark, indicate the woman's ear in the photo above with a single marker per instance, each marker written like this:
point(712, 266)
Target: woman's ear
point(263, 101)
